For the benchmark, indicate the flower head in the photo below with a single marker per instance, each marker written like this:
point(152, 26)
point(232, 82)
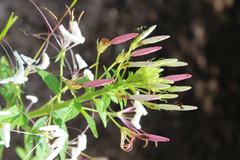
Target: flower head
point(72, 36)
point(59, 137)
point(81, 146)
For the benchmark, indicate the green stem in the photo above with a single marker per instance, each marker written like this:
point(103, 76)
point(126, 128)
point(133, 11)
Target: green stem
point(62, 57)
point(108, 70)
point(114, 121)
point(97, 63)
point(45, 109)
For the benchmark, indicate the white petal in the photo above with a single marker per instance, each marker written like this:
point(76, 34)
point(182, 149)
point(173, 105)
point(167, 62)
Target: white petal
point(69, 37)
point(32, 98)
point(60, 137)
point(6, 134)
point(82, 142)
point(19, 77)
point(136, 121)
point(4, 113)
point(140, 111)
point(81, 146)
point(88, 73)
point(45, 62)
point(27, 59)
point(76, 31)
point(81, 63)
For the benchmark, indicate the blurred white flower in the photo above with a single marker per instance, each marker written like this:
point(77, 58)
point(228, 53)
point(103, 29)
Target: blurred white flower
point(80, 62)
point(45, 62)
point(88, 73)
point(73, 36)
point(59, 137)
point(32, 98)
point(81, 146)
point(140, 111)
point(6, 135)
point(19, 77)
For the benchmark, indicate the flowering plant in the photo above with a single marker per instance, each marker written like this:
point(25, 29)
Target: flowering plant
point(133, 86)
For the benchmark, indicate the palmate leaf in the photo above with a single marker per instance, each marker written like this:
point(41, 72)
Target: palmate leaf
point(50, 80)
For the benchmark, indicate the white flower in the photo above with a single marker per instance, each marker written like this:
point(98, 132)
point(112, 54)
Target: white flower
point(81, 63)
point(81, 146)
point(6, 135)
point(140, 111)
point(5, 113)
point(59, 136)
point(32, 98)
point(45, 62)
point(19, 77)
point(88, 73)
point(29, 61)
point(75, 36)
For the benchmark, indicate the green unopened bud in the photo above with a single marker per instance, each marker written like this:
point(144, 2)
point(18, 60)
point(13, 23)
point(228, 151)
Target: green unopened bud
point(121, 57)
point(142, 36)
point(154, 39)
point(102, 45)
point(177, 64)
point(166, 62)
point(179, 88)
point(171, 107)
point(168, 96)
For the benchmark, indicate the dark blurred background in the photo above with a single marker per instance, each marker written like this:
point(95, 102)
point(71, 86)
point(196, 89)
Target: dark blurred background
point(204, 33)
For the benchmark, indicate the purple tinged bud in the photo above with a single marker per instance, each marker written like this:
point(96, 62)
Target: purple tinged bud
point(178, 77)
point(123, 38)
point(98, 83)
point(154, 138)
point(145, 51)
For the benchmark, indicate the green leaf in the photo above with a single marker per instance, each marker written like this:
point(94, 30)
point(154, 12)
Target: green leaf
point(90, 122)
point(11, 20)
point(101, 105)
point(39, 123)
point(42, 150)
point(21, 153)
point(69, 112)
point(13, 114)
point(50, 80)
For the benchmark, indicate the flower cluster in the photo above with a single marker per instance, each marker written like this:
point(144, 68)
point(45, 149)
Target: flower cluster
point(119, 95)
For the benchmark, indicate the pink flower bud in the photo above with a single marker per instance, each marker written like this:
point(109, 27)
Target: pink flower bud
point(98, 83)
point(153, 137)
point(145, 51)
point(178, 77)
point(123, 38)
